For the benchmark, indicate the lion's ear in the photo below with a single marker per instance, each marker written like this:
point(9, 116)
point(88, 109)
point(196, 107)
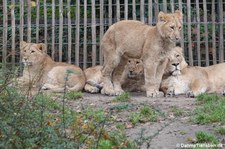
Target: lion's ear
point(162, 16)
point(22, 45)
point(41, 47)
point(179, 14)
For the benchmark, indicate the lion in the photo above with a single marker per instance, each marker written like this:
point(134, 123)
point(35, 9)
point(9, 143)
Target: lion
point(133, 75)
point(134, 39)
point(41, 71)
point(132, 78)
point(194, 80)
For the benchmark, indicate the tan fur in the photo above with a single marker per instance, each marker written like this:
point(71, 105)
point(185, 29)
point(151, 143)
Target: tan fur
point(132, 78)
point(133, 75)
point(134, 39)
point(94, 79)
point(41, 71)
point(195, 80)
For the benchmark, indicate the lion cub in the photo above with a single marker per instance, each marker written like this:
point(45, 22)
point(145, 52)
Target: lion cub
point(41, 71)
point(132, 78)
point(134, 39)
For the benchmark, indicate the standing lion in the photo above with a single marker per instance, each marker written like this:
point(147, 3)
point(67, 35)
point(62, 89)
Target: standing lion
point(134, 39)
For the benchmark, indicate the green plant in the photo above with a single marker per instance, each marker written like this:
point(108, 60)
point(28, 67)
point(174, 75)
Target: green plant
point(220, 130)
point(134, 118)
point(71, 95)
point(41, 122)
point(124, 97)
point(120, 107)
point(26, 123)
point(176, 111)
point(203, 98)
point(145, 113)
point(205, 137)
point(88, 128)
point(210, 110)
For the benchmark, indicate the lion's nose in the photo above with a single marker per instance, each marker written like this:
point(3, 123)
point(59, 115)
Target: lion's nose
point(25, 59)
point(131, 71)
point(175, 64)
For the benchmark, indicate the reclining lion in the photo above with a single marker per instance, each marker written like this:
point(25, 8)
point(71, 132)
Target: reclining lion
point(134, 39)
point(41, 71)
point(194, 80)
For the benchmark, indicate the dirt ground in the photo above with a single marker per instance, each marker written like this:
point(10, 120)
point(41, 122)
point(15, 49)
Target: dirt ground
point(169, 132)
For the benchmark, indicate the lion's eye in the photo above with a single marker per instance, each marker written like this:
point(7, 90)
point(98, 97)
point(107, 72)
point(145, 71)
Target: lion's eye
point(129, 61)
point(32, 51)
point(172, 27)
point(177, 56)
point(137, 62)
point(24, 51)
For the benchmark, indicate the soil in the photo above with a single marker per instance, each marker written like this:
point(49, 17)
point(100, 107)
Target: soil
point(168, 132)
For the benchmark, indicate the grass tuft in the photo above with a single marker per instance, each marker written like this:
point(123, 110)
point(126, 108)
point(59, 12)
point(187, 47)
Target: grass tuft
point(73, 95)
point(211, 109)
point(146, 113)
point(176, 111)
point(205, 137)
point(203, 98)
point(124, 97)
point(220, 130)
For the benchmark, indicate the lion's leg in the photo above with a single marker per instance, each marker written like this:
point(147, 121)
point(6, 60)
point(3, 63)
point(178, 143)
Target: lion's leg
point(111, 61)
point(160, 70)
point(151, 82)
point(117, 74)
point(197, 88)
point(51, 87)
point(91, 89)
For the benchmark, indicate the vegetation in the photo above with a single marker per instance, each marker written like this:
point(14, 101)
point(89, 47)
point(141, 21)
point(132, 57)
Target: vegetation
point(124, 97)
point(72, 95)
point(220, 130)
point(40, 122)
point(176, 111)
point(145, 113)
point(210, 110)
point(204, 137)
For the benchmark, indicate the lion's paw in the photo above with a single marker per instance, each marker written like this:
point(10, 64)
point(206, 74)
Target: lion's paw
point(170, 93)
point(119, 92)
point(154, 93)
point(190, 94)
point(92, 90)
point(108, 91)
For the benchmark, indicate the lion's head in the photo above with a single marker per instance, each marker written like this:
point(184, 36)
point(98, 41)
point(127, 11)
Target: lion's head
point(169, 25)
point(135, 68)
point(176, 62)
point(32, 53)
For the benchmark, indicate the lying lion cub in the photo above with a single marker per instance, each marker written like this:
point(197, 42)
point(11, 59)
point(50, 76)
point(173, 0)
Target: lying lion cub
point(41, 71)
point(132, 78)
point(195, 80)
point(134, 39)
